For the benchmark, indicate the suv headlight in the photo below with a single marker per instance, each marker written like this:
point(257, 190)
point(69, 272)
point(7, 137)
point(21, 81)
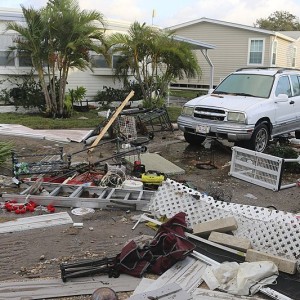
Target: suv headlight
point(187, 111)
point(238, 117)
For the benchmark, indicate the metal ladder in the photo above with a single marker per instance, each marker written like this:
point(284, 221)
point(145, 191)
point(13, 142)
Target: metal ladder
point(65, 195)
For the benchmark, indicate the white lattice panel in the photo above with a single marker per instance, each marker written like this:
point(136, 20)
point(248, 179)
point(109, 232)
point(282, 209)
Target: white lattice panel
point(274, 232)
point(255, 167)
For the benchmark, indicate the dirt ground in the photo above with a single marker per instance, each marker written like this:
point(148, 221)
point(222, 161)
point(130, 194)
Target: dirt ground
point(38, 253)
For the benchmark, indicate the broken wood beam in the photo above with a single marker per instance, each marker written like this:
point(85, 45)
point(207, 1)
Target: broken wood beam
point(231, 241)
point(284, 265)
point(220, 225)
point(111, 121)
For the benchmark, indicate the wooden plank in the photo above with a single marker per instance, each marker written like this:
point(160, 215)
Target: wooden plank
point(143, 285)
point(53, 288)
point(187, 273)
point(36, 222)
point(110, 122)
point(204, 294)
point(170, 291)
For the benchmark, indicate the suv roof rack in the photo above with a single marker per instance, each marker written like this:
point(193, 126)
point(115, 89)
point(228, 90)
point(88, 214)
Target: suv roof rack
point(279, 69)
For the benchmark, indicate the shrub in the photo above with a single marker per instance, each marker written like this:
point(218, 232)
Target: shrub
point(28, 93)
point(286, 152)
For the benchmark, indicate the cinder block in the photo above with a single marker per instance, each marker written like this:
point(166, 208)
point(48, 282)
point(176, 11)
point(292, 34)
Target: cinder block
point(231, 241)
point(220, 225)
point(283, 264)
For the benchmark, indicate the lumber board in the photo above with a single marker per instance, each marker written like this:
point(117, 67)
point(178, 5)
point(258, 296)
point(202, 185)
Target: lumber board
point(143, 285)
point(34, 222)
point(204, 294)
point(187, 273)
point(53, 288)
point(171, 291)
point(111, 120)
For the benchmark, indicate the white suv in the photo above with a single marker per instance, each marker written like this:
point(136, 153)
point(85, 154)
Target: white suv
point(249, 107)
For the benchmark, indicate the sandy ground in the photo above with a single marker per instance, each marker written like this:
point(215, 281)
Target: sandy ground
point(38, 253)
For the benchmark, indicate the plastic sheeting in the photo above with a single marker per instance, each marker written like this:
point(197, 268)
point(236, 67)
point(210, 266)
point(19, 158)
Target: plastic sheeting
point(241, 279)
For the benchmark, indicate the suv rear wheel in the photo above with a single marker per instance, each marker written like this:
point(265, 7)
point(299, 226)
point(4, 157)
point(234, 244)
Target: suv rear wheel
point(194, 139)
point(260, 138)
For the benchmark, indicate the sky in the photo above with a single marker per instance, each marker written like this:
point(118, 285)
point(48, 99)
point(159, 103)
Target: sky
point(174, 12)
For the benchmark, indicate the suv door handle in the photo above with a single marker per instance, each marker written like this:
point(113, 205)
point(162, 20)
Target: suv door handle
point(292, 102)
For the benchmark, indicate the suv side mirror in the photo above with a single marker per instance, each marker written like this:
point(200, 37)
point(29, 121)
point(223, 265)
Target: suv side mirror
point(282, 98)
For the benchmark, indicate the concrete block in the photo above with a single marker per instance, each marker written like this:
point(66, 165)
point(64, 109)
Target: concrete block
point(284, 265)
point(219, 225)
point(230, 241)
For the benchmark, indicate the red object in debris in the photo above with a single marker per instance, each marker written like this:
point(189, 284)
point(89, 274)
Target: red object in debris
point(51, 208)
point(23, 210)
point(33, 204)
point(30, 208)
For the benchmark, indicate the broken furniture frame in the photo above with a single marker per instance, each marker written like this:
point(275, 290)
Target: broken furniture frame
point(259, 168)
point(151, 120)
point(28, 163)
point(88, 268)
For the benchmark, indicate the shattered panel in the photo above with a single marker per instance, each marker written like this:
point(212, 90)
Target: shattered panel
point(271, 231)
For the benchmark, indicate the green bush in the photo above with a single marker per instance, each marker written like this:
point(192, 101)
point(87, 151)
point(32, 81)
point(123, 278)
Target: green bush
point(286, 152)
point(109, 94)
point(28, 93)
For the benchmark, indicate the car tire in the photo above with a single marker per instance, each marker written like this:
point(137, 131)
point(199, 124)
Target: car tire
point(194, 139)
point(260, 138)
point(297, 134)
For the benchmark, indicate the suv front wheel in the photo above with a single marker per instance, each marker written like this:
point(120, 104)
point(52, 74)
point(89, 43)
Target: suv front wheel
point(260, 138)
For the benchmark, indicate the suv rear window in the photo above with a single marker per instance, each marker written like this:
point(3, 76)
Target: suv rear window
point(246, 84)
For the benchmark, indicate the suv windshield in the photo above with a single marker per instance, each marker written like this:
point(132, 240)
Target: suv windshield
point(246, 85)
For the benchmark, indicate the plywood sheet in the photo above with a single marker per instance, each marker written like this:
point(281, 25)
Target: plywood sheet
point(52, 288)
point(154, 161)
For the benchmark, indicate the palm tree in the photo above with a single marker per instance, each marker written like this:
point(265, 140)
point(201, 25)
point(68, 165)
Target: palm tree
point(60, 37)
point(31, 41)
point(153, 57)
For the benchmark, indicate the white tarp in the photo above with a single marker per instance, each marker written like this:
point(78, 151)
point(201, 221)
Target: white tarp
point(243, 279)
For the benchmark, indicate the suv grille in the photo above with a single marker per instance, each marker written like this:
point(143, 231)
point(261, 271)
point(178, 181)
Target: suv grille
point(209, 113)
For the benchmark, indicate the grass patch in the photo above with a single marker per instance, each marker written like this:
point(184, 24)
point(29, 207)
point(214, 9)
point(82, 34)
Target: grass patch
point(38, 121)
point(188, 94)
point(174, 112)
point(88, 119)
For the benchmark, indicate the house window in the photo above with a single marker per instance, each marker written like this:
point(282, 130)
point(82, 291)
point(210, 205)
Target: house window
point(116, 60)
point(6, 59)
point(98, 61)
point(256, 49)
point(24, 60)
point(274, 53)
point(294, 52)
